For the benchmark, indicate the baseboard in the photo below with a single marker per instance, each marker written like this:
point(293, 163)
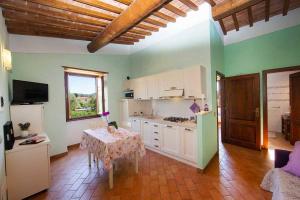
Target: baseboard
point(57, 156)
point(73, 146)
point(69, 148)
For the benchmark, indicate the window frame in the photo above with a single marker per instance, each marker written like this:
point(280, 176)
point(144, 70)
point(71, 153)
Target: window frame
point(67, 102)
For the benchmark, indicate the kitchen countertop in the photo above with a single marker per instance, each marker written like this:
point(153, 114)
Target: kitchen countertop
point(159, 120)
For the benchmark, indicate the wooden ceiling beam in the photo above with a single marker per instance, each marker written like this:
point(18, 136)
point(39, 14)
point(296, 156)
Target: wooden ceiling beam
point(228, 7)
point(129, 39)
point(117, 41)
point(19, 16)
point(44, 11)
point(41, 28)
point(222, 27)
point(175, 10)
point(108, 7)
point(157, 14)
point(155, 22)
point(44, 33)
point(14, 30)
point(250, 16)
point(57, 29)
point(101, 5)
point(189, 4)
point(286, 5)
point(73, 8)
point(134, 14)
point(125, 2)
point(35, 9)
point(132, 35)
point(146, 27)
point(164, 16)
point(138, 31)
point(235, 21)
point(267, 10)
point(211, 2)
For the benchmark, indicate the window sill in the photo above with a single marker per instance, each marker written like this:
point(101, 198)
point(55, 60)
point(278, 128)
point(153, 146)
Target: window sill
point(83, 118)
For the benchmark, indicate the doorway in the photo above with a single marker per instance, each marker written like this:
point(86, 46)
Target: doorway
point(278, 107)
point(220, 111)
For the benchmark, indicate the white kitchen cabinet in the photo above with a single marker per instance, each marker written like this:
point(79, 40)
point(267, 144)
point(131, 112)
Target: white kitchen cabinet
point(147, 133)
point(27, 169)
point(140, 88)
point(152, 84)
point(188, 138)
point(170, 140)
point(136, 125)
point(171, 80)
point(193, 83)
point(156, 136)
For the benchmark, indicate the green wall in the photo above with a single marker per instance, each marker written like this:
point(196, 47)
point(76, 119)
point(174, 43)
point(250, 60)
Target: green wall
point(207, 138)
point(274, 50)
point(4, 115)
point(178, 51)
point(47, 68)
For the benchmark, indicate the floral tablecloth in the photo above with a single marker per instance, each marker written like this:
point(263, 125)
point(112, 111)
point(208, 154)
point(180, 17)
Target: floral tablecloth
point(108, 147)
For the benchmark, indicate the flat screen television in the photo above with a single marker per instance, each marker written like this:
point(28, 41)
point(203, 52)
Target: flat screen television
point(25, 92)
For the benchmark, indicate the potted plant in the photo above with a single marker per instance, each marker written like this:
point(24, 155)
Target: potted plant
point(24, 128)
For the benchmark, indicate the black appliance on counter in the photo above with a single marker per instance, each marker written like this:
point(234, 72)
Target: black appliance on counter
point(9, 136)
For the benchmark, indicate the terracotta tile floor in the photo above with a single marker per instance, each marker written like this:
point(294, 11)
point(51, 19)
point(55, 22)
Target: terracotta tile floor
point(235, 174)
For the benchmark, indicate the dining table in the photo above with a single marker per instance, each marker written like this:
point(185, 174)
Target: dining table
point(108, 146)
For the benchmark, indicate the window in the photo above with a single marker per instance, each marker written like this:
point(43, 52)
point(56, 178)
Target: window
point(86, 93)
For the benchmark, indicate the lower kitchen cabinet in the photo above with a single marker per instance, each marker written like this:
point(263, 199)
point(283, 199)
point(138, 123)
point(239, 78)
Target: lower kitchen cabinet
point(136, 125)
point(189, 144)
point(174, 141)
point(147, 133)
point(170, 140)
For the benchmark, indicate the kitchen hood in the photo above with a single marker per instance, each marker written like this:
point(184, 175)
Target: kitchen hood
point(173, 93)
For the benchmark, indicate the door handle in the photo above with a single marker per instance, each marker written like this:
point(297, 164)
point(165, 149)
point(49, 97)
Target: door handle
point(257, 113)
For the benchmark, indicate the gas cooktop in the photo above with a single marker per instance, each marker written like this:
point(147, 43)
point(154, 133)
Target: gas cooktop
point(176, 119)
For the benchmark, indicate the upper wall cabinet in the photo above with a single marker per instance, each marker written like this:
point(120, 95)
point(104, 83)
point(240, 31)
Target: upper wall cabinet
point(171, 80)
point(140, 88)
point(191, 80)
point(152, 83)
point(194, 82)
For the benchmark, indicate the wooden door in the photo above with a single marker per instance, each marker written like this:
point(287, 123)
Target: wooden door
point(242, 107)
point(295, 106)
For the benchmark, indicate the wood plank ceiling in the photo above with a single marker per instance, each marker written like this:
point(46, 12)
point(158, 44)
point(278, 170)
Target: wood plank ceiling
point(88, 19)
point(85, 19)
point(233, 14)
